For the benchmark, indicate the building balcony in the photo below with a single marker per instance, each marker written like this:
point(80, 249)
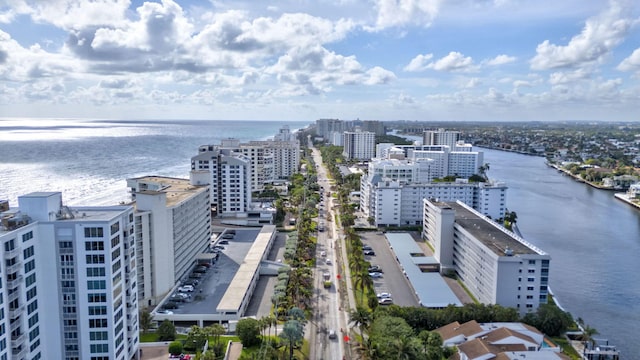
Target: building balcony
point(17, 340)
point(12, 253)
point(16, 312)
point(14, 268)
point(19, 352)
point(14, 283)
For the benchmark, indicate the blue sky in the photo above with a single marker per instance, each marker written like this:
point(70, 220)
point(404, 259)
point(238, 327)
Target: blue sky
point(429, 60)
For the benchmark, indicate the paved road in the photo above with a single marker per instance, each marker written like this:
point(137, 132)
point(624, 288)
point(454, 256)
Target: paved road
point(328, 315)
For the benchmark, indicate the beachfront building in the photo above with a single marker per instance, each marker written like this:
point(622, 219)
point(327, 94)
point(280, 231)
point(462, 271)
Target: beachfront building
point(494, 264)
point(359, 145)
point(396, 203)
point(228, 174)
point(173, 226)
point(69, 287)
point(326, 127)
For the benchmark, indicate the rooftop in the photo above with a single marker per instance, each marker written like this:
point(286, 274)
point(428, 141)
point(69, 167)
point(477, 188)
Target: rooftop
point(430, 287)
point(493, 236)
point(176, 189)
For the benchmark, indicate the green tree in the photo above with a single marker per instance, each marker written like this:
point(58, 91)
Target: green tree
point(166, 331)
point(215, 331)
point(208, 355)
point(196, 338)
point(175, 348)
point(360, 317)
point(248, 330)
point(587, 334)
point(292, 334)
point(145, 320)
point(549, 319)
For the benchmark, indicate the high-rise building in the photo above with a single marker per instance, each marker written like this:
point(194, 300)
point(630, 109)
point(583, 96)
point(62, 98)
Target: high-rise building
point(229, 175)
point(494, 264)
point(441, 137)
point(69, 281)
point(360, 145)
point(172, 225)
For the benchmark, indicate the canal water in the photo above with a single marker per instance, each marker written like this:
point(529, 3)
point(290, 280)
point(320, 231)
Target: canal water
point(593, 239)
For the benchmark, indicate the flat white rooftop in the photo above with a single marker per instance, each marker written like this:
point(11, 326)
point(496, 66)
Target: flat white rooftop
point(430, 287)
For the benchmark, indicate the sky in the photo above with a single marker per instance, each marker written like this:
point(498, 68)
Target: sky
point(419, 60)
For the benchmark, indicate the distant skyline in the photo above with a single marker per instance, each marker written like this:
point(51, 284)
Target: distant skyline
point(430, 60)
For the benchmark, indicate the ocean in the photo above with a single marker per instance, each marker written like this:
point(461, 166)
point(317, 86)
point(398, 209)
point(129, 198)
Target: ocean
point(90, 160)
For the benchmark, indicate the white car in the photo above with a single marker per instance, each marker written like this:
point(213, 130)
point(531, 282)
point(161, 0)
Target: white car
point(385, 301)
point(164, 312)
point(375, 275)
point(328, 261)
point(186, 288)
point(383, 295)
point(323, 253)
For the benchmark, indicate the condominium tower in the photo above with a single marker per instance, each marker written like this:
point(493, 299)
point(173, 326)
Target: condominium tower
point(69, 286)
point(494, 264)
point(173, 226)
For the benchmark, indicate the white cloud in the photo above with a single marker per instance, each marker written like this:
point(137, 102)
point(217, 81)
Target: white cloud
point(79, 14)
point(454, 62)
point(631, 63)
point(405, 12)
point(472, 83)
point(599, 36)
point(501, 60)
point(418, 63)
point(566, 77)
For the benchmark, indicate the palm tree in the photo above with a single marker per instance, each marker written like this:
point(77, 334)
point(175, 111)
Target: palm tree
point(361, 317)
point(587, 334)
point(402, 347)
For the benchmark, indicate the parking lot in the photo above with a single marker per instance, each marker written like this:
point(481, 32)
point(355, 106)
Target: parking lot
point(214, 280)
point(393, 280)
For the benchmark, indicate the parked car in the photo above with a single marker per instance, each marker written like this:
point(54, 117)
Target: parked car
point(192, 282)
point(218, 247)
point(323, 253)
point(231, 231)
point(195, 275)
point(332, 334)
point(177, 298)
point(369, 253)
point(223, 242)
point(170, 305)
point(375, 268)
point(227, 236)
point(186, 288)
point(385, 301)
point(328, 261)
point(164, 312)
point(366, 247)
point(375, 275)
point(384, 295)
point(201, 269)
point(207, 264)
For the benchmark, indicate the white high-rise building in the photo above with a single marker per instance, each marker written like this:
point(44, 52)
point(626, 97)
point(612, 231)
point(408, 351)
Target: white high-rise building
point(398, 203)
point(69, 281)
point(172, 225)
point(494, 264)
point(359, 145)
point(229, 175)
point(441, 137)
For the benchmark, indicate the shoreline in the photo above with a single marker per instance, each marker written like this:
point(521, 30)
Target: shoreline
point(624, 197)
point(579, 179)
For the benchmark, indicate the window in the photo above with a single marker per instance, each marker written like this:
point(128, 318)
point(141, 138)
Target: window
point(31, 279)
point(98, 335)
point(531, 279)
point(92, 232)
point(31, 293)
point(95, 271)
point(97, 310)
point(98, 297)
point(98, 323)
point(115, 241)
point(33, 320)
point(529, 288)
point(27, 236)
point(531, 271)
point(28, 252)
point(95, 259)
point(29, 266)
point(532, 262)
point(96, 284)
point(99, 348)
point(115, 227)
point(94, 245)
point(32, 307)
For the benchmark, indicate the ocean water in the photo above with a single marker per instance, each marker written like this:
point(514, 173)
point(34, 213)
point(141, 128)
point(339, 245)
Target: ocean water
point(90, 160)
